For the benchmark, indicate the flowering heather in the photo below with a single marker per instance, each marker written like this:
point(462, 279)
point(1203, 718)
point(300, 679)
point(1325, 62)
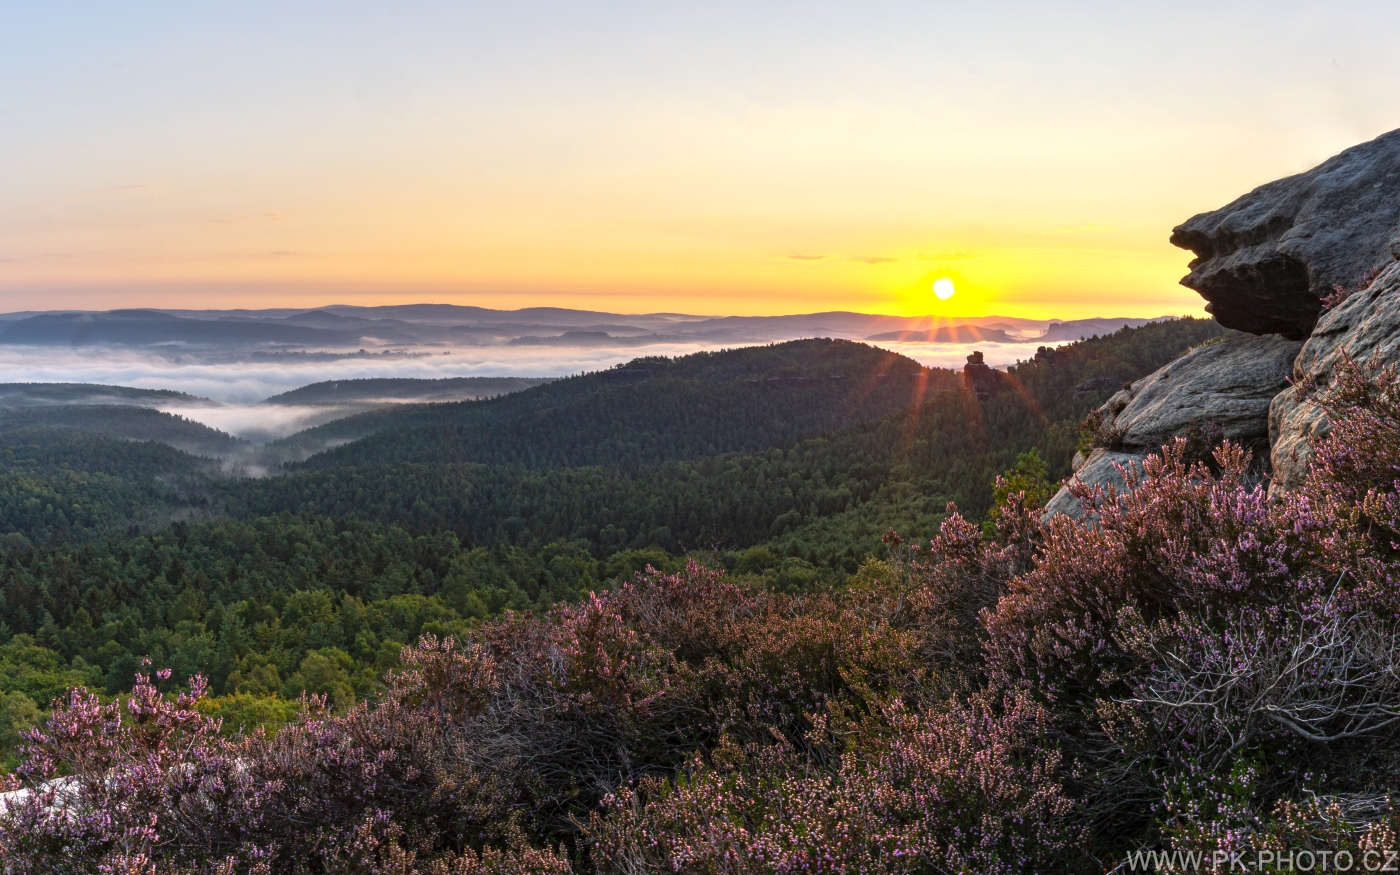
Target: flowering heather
point(1192, 666)
point(959, 788)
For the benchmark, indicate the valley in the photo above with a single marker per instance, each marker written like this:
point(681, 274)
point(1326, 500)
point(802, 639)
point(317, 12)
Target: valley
point(129, 532)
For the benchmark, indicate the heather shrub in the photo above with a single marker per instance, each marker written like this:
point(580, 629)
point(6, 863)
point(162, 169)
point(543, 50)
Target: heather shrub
point(495, 749)
point(1205, 654)
point(107, 783)
point(148, 784)
point(1356, 466)
point(961, 788)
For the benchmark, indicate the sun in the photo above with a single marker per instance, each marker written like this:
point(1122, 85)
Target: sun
point(943, 288)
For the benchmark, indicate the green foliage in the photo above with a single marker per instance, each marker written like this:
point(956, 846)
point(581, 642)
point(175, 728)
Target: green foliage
point(17, 713)
point(1027, 478)
point(62, 484)
point(37, 672)
point(242, 713)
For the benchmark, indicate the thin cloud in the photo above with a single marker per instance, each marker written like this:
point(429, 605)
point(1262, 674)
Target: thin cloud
point(808, 257)
point(876, 259)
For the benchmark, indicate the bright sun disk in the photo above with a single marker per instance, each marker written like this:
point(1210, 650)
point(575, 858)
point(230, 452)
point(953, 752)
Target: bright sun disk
point(943, 288)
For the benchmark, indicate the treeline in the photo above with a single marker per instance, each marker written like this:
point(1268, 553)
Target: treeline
point(62, 484)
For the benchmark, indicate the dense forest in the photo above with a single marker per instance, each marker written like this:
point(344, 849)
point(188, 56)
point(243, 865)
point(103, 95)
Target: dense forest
point(121, 550)
point(847, 634)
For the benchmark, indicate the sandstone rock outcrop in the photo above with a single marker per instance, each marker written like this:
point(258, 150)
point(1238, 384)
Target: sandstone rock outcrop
point(1102, 467)
point(981, 378)
point(1366, 327)
point(1265, 261)
point(1228, 384)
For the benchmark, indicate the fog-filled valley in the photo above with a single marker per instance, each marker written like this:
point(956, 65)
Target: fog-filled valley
point(234, 363)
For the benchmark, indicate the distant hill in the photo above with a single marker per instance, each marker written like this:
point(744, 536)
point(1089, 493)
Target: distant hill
point(347, 328)
point(405, 389)
point(583, 338)
point(1079, 329)
point(45, 448)
point(144, 327)
point(649, 410)
point(124, 422)
point(949, 334)
point(38, 394)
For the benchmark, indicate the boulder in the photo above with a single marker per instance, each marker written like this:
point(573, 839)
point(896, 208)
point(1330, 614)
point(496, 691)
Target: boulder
point(1265, 261)
point(1101, 468)
point(1228, 384)
point(1366, 327)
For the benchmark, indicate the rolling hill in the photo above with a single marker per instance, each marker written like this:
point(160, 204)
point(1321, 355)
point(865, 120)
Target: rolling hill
point(125, 422)
point(404, 389)
point(649, 410)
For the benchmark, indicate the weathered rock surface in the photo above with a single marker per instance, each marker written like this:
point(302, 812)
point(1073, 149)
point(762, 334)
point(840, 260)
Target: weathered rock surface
point(1366, 327)
point(1229, 384)
point(1265, 261)
point(1099, 468)
point(981, 379)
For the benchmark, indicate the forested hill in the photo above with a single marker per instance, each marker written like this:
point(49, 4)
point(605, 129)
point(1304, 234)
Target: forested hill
point(825, 499)
point(401, 388)
point(48, 394)
point(125, 423)
point(648, 410)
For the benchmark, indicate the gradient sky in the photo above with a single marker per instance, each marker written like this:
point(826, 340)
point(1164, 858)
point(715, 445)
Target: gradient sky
point(716, 158)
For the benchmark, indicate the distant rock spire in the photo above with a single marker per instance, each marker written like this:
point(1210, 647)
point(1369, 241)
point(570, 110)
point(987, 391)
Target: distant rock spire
point(980, 379)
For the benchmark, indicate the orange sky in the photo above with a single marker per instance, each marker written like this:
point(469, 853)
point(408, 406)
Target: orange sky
point(724, 160)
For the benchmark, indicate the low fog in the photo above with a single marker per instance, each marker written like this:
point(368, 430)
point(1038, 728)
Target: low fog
point(236, 384)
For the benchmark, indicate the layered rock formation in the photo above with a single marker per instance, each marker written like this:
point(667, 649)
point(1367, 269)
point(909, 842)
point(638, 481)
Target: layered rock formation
point(1265, 261)
point(980, 378)
point(1228, 384)
point(1366, 327)
point(1225, 386)
point(1102, 468)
